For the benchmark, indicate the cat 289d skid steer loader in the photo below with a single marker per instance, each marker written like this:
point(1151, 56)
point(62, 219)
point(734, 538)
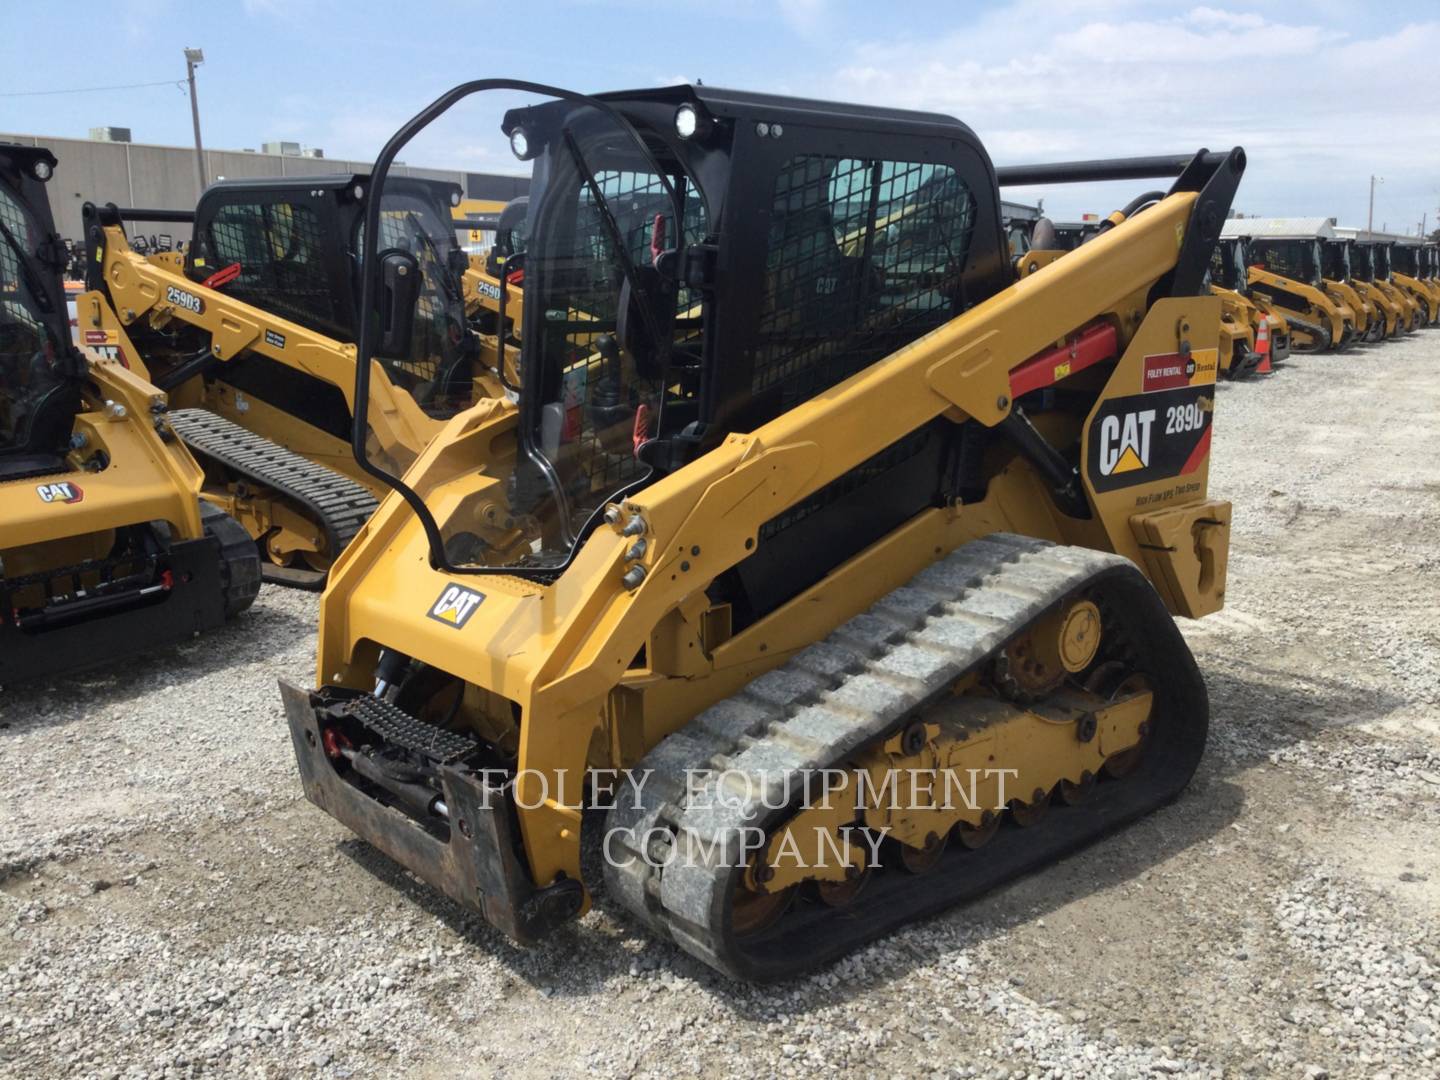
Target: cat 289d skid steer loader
point(817, 491)
point(105, 547)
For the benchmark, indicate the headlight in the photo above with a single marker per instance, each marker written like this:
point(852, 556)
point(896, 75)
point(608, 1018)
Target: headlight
point(687, 121)
point(43, 171)
point(520, 144)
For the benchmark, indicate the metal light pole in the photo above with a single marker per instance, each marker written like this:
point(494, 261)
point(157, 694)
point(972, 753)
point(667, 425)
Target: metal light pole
point(1370, 224)
point(193, 59)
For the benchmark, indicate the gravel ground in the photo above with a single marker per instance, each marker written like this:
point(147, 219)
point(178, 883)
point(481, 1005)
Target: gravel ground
point(169, 905)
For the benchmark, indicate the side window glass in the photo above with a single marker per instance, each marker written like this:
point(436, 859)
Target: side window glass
point(864, 256)
point(279, 250)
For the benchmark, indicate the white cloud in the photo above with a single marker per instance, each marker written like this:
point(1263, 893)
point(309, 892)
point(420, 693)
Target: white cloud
point(1317, 110)
point(1228, 20)
point(803, 16)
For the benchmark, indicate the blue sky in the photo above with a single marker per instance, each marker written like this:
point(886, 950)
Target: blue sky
point(1316, 90)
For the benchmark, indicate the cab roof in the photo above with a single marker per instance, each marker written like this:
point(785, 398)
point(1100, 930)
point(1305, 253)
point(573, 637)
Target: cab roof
point(322, 182)
point(745, 105)
point(1280, 228)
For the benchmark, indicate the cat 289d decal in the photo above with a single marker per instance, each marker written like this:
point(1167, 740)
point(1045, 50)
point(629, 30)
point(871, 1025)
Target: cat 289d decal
point(1145, 437)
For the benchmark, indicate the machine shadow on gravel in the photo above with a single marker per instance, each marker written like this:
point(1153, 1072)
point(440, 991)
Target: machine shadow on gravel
point(1208, 807)
point(256, 637)
point(1254, 713)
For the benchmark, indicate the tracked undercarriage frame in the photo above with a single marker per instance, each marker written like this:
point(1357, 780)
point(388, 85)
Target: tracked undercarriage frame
point(683, 842)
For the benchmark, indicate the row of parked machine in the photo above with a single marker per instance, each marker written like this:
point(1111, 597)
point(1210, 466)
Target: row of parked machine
point(1309, 285)
point(1318, 287)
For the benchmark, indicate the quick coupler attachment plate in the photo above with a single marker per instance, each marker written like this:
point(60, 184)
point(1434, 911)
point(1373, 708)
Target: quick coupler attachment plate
point(473, 856)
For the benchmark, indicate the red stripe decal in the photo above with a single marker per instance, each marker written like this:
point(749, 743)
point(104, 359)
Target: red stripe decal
point(1200, 453)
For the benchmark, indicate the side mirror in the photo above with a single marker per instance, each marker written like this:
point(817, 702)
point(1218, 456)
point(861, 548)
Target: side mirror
point(399, 296)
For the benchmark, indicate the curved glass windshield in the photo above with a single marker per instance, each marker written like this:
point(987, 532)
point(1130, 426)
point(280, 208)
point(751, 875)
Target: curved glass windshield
point(435, 364)
point(1239, 274)
point(1382, 261)
point(1362, 261)
point(31, 353)
point(607, 338)
point(1336, 264)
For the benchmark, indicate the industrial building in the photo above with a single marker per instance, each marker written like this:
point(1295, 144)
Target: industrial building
point(109, 168)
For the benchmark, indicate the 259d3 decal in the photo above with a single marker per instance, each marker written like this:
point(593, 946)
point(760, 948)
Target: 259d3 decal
point(1144, 437)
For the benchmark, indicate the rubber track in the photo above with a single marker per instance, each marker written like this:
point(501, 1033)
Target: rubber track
point(336, 503)
point(239, 558)
point(831, 698)
point(1314, 329)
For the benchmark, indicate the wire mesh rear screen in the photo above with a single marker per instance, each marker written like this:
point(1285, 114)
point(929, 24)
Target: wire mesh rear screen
point(1288, 258)
point(864, 256)
point(280, 249)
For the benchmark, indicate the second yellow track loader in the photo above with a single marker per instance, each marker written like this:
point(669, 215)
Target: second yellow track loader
point(847, 555)
point(253, 336)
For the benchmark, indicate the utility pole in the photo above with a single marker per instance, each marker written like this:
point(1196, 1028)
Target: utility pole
point(1369, 224)
point(194, 58)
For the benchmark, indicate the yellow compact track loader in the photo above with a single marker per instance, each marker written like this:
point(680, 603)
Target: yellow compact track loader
point(1252, 339)
point(1428, 270)
point(1408, 264)
point(1430, 263)
point(846, 548)
point(253, 335)
point(105, 547)
point(1370, 262)
point(1338, 278)
point(1387, 316)
point(1285, 276)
